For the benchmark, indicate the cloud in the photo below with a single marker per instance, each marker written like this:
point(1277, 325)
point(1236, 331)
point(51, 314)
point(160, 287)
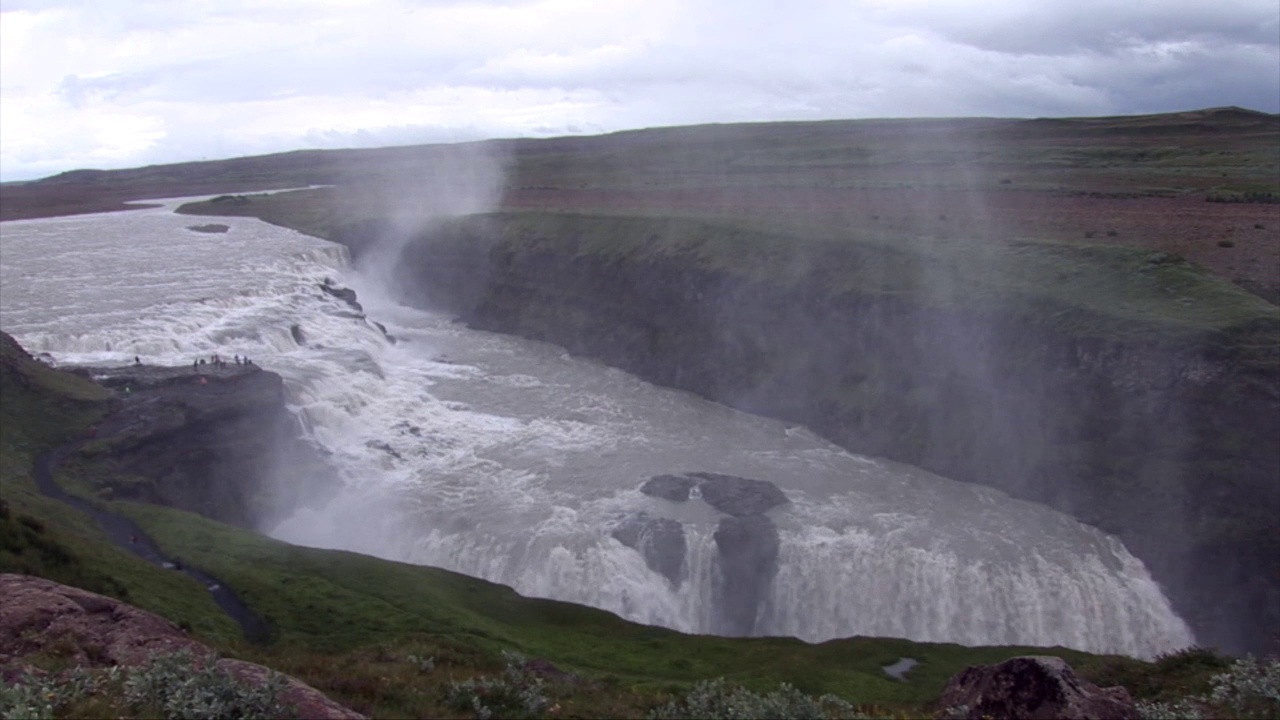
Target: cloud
point(114, 83)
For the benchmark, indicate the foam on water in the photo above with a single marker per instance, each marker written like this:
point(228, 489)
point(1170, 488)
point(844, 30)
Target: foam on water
point(512, 461)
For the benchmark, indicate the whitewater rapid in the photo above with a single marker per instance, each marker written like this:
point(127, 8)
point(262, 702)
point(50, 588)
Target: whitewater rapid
point(508, 460)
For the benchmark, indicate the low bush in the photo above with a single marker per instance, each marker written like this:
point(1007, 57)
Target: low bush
point(1250, 688)
point(517, 693)
point(171, 685)
point(719, 699)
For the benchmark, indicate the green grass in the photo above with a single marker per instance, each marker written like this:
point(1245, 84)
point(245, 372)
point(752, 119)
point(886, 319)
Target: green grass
point(335, 602)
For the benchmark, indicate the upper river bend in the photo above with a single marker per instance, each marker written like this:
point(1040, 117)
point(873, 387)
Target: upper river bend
point(509, 460)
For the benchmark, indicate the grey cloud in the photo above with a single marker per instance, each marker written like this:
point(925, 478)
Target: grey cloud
point(1065, 27)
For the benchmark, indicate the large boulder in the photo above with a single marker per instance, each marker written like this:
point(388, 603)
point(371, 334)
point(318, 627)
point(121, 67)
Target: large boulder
point(659, 540)
point(748, 549)
point(738, 496)
point(346, 295)
point(669, 487)
point(1031, 688)
point(730, 494)
point(90, 630)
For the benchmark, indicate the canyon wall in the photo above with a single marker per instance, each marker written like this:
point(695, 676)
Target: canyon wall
point(1160, 428)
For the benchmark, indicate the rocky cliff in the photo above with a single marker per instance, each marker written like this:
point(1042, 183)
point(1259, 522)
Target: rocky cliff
point(221, 443)
point(1127, 388)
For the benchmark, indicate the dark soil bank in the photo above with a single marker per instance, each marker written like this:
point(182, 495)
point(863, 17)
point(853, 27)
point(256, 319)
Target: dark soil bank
point(1166, 438)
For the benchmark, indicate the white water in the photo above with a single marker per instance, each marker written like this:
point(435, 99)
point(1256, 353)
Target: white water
point(508, 460)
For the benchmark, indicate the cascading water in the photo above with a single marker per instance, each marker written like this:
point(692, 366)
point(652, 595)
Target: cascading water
point(508, 460)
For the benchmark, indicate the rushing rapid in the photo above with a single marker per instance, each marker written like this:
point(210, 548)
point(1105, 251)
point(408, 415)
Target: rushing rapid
point(508, 460)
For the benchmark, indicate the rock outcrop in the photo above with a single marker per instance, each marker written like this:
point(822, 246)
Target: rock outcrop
point(346, 295)
point(227, 448)
point(95, 631)
point(1031, 688)
point(659, 540)
point(746, 540)
point(748, 553)
point(736, 496)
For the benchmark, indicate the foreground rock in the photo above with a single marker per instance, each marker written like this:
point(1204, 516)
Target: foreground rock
point(95, 631)
point(1032, 687)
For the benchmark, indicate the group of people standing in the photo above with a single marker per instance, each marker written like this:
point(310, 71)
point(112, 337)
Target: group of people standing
point(218, 362)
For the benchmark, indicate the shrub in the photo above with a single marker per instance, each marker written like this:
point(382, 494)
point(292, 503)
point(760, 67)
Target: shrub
point(1248, 196)
point(718, 699)
point(517, 693)
point(183, 685)
point(1248, 689)
point(42, 697)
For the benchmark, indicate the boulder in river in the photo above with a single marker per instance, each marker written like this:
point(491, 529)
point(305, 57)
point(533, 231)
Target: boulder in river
point(669, 487)
point(659, 540)
point(346, 295)
point(730, 494)
point(748, 548)
point(738, 496)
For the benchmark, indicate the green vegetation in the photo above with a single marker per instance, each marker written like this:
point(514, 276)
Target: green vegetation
point(170, 685)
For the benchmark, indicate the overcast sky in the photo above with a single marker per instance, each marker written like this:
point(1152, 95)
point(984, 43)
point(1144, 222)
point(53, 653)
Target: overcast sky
point(122, 83)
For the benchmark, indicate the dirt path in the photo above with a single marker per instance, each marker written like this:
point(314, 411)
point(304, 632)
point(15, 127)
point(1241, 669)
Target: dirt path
point(125, 534)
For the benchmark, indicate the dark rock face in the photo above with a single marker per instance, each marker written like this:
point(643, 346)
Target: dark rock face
point(228, 449)
point(1033, 687)
point(748, 562)
point(209, 228)
point(383, 329)
point(92, 630)
point(1167, 442)
point(298, 336)
point(669, 487)
point(346, 295)
point(660, 540)
point(738, 496)
point(746, 541)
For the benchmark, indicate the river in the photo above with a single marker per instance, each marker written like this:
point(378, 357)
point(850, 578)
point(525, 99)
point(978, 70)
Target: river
point(509, 460)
